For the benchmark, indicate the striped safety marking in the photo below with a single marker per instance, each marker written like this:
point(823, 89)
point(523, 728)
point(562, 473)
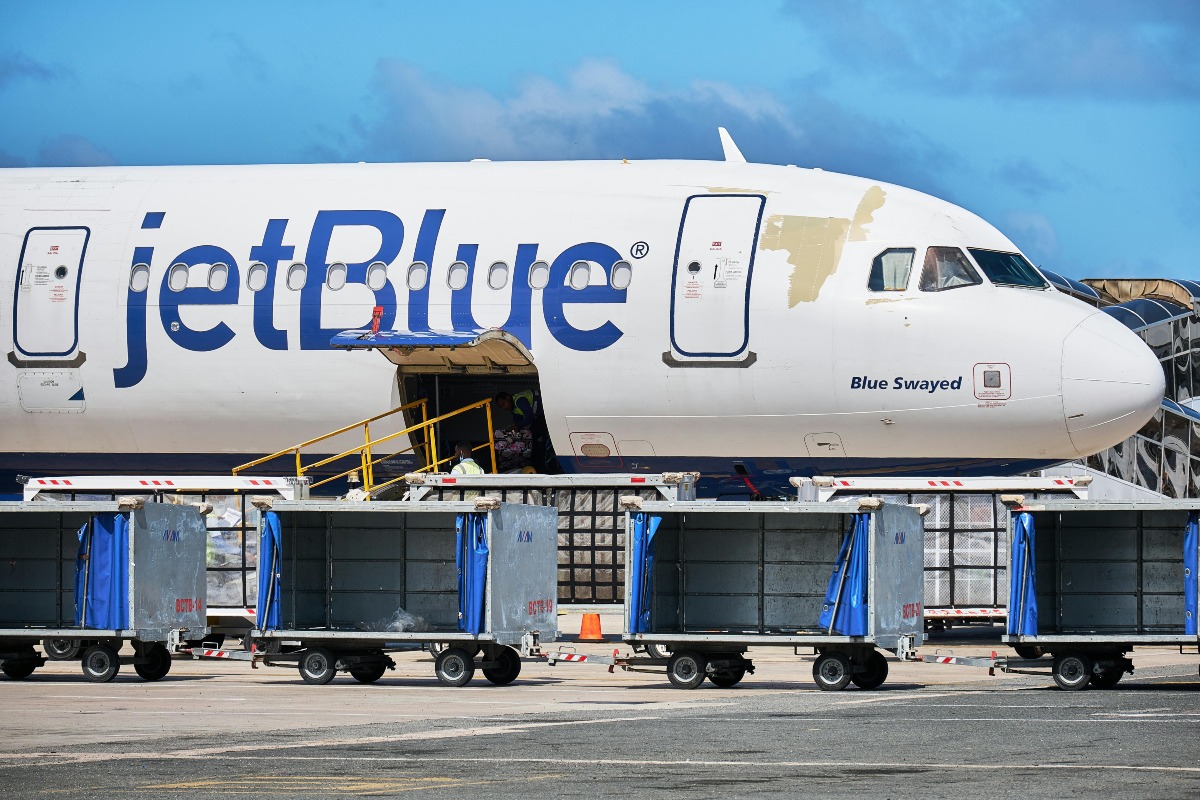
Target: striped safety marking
point(157, 483)
point(43, 482)
point(965, 612)
point(570, 657)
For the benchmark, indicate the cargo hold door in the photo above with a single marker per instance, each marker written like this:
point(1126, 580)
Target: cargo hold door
point(710, 283)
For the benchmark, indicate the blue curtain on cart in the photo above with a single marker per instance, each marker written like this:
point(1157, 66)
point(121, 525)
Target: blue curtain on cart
point(641, 571)
point(1022, 598)
point(270, 573)
point(1191, 572)
point(102, 573)
point(472, 557)
point(844, 611)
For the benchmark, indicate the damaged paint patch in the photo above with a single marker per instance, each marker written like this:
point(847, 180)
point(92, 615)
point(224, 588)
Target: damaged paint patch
point(872, 201)
point(814, 247)
point(814, 244)
point(729, 190)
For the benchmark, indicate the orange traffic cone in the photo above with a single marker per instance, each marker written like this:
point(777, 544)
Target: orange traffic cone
point(589, 629)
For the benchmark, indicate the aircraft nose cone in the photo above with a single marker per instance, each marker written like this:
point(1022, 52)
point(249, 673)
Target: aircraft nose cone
point(1112, 383)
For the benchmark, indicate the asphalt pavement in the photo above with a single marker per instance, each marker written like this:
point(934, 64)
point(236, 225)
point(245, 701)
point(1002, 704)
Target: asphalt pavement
point(212, 729)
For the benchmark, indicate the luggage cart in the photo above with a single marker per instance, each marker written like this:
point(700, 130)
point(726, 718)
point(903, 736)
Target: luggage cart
point(353, 582)
point(1090, 581)
point(708, 581)
point(83, 578)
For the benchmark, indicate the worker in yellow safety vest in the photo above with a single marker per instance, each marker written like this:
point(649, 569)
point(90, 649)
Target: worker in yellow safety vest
point(466, 463)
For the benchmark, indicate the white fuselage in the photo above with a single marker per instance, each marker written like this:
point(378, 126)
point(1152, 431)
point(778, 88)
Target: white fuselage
point(747, 332)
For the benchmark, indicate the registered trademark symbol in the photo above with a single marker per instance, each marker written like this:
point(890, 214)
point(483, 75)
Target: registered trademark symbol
point(639, 250)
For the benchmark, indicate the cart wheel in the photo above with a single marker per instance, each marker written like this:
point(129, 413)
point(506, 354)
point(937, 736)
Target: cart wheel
point(100, 663)
point(876, 672)
point(18, 670)
point(318, 666)
point(686, 670)
point(1029, 650)
point(158, 663)
point(1072, 671)
point(509, 669)
point(1107, 679)
point(658, 651)
point(728, 677)
point(831, 671)
point(61, 649)
point(454, 666)
point(369, 673)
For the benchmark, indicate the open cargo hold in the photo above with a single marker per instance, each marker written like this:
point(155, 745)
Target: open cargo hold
point(84, 577)
point(591, 524)
point(707, 581)
point(1093, 580)
point(354, 581)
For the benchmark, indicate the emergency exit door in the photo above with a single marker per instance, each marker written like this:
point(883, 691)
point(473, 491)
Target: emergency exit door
point(46, 310)
point(710, 285)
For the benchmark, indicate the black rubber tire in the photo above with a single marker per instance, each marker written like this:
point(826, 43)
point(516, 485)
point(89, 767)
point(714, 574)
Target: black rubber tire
point(61, 649)
point(728, 678)
point(18, 670)
point(509, 669)
point(1072, 671)
point(1028, 650)
point(876, 672)
point(159, 663)
point(831, 672)
point(368, 673)
point(100, 663)
point(454, 666)
point(317, 666)
point(658, 651)
point(686, 670)
point(1106, 679)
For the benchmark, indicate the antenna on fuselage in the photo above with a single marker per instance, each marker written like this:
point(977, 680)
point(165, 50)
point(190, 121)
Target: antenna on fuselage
point(731, 150)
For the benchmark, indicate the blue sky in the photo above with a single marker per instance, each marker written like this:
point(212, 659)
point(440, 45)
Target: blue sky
point(1074, 127)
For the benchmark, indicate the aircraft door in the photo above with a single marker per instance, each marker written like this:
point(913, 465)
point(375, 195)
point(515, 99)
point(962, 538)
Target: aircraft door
point(46, 312)
point(46, 319)
point(710, 284)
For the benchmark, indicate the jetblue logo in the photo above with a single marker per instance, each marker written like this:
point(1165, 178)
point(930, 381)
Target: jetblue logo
point(930, 385)
point(278, 249)
point(170, 536)
point(524, 536)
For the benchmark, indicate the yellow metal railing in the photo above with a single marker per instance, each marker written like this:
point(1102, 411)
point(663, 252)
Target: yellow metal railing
point(367, 460)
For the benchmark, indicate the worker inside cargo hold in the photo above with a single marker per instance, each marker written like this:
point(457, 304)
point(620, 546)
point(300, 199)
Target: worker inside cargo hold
point(529, 423)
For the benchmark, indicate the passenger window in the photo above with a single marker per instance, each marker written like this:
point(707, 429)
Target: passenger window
point(139, 278)
point(335, 276)
point(218, 277)
point(456, 278)
point(539, 275)
point(498, 275)
point(947, 268)
point(890, 270)
point(579, 275)
point(256, 277)
point(297, 276)
point(177, 278)
point(621, 275)
point(376, 276)
point(418, 276)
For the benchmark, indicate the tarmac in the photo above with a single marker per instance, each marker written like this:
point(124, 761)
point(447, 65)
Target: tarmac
point(217, 728)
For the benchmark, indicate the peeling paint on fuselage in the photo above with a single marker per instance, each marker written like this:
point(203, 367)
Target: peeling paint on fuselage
point(814, 244)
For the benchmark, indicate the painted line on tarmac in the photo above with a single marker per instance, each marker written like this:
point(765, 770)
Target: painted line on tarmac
point(630, 762)
point(228, 750)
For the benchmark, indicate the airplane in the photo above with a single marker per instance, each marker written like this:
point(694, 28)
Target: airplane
point(749, 321)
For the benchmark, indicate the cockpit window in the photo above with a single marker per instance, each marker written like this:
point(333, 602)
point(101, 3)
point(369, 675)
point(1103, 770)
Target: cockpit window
point(947, 268)
point(890, 270)
point(1007, 269)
